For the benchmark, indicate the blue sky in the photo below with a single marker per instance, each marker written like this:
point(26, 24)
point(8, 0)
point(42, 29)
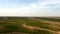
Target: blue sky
point(29, 7)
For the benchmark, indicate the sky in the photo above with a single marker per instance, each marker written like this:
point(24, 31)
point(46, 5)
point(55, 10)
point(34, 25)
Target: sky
point(29, 7)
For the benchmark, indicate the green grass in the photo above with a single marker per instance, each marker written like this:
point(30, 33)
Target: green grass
point(50, 19)
point(13, 24)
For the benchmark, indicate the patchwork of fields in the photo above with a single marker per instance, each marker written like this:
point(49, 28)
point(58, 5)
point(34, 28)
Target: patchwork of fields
point(29, 25)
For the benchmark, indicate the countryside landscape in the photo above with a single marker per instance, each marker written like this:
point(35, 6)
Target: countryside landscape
point(29, 25)
point(29, 16)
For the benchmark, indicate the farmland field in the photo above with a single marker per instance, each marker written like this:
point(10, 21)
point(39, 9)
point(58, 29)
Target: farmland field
point(29, 25)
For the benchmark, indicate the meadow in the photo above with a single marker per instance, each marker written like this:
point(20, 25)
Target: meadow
point(29, 25)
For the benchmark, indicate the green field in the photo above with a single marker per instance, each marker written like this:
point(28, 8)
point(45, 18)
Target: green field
point(30, 25)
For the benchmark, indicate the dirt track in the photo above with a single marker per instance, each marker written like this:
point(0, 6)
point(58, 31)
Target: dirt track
point(54, 24)
point(33, 27)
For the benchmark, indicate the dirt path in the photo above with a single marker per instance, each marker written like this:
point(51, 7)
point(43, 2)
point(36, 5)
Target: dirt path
point(54, 23)
point(51, 22)
point(33, 27)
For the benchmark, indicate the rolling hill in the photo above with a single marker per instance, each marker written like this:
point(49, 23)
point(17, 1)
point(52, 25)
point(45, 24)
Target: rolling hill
point(29, 25)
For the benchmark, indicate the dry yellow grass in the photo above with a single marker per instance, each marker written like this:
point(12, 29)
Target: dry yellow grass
point(32, 28)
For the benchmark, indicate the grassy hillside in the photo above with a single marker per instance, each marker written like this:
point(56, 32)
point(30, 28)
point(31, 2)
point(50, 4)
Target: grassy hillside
point(29, 25)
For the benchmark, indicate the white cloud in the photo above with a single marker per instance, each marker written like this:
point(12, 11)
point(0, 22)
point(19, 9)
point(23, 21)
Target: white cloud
point(33, 9)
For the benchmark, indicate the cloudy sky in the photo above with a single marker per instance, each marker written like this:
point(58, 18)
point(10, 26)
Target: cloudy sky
point(29, 7)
